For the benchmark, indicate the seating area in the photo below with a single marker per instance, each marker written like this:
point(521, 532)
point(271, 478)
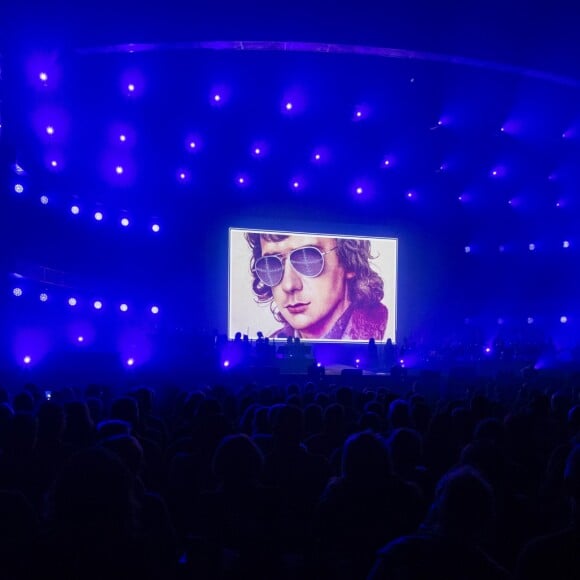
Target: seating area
point(301, 479)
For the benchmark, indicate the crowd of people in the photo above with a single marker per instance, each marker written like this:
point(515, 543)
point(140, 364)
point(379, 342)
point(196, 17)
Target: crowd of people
point(308, 480)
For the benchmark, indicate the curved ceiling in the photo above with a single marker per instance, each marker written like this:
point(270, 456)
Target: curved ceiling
point(513, 32)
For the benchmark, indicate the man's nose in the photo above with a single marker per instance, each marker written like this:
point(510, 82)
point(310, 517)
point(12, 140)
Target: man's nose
point(291, 281)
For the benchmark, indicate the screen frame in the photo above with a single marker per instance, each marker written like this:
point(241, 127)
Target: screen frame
point(234, 268)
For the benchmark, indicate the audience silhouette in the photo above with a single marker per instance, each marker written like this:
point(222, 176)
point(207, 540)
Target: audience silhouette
point(311, 480)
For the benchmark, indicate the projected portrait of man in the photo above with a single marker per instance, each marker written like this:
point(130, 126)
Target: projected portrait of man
point(317, 287)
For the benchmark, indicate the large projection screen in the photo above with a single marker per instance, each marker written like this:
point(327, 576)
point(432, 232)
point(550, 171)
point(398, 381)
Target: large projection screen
point(319, 287)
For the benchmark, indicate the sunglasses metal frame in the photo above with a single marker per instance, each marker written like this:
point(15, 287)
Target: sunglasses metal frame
point(287, 255)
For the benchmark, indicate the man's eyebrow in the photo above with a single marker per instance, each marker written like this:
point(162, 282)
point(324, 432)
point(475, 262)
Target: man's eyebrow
point(292, 249)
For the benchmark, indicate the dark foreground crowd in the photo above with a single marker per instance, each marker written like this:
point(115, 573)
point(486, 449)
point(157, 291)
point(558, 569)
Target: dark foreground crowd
point(295, 481)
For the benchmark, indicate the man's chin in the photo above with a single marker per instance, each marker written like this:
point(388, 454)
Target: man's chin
point(297, 322)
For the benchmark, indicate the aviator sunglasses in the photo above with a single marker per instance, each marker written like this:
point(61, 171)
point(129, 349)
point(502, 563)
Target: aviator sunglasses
point(307, 261)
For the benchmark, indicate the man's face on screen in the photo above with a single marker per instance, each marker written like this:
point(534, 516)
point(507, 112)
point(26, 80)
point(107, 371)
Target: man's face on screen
point(311, 305)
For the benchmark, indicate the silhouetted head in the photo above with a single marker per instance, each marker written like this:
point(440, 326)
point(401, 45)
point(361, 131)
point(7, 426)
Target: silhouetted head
point(126, 409)
point(463, 505)
point(572, 481)
point(23, 402)
point(93, 495)
point(237, 460)
point(405, 448)
point(399, 414)
point(365, 459)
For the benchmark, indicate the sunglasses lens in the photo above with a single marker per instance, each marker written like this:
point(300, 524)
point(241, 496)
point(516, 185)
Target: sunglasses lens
point(270, 270)
point(307, 261)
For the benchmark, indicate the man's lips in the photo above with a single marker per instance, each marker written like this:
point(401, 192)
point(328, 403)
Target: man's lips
point(297, 307)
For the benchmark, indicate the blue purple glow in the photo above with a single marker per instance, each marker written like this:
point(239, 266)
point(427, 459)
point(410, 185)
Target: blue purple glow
point(72, 301)
point(132, 83)
point(98, 216)
point(97, 305)
point(219, 95)
point(17, 292)
point(54, 160)
point(31, 344)
point(134, 345)
point(361, 113)
point(43, 297)
point(155, 228)
point(75, 209)
point(124, 222)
